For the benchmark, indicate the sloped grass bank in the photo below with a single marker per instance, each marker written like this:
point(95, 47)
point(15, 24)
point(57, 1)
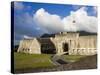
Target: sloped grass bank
point(25, 63)
point(32, 61)
point(73, 57)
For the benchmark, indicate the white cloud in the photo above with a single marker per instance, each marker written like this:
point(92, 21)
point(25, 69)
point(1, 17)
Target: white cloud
point(95, 9)
point(81, 21)
point(18, 5)
point(76, 21)
point(51, 22)
point(76, 7)
point(27, 37)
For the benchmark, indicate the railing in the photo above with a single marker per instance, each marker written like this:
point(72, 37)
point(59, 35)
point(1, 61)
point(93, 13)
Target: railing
point(84, 48)
point(83, 51)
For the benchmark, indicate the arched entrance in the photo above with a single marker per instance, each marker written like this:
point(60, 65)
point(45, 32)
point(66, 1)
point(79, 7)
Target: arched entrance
point(65, 47)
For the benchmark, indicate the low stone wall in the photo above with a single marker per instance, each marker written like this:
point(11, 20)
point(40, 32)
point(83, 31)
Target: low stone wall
point(83, 51)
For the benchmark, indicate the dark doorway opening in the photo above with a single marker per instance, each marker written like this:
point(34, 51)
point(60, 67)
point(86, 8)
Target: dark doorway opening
point(65, 47)
point(47, 46)
point(48, 49)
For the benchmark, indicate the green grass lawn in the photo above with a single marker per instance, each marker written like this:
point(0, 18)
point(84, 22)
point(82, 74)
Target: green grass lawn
point(33, 61)
point(73, 57)
point(28, 61)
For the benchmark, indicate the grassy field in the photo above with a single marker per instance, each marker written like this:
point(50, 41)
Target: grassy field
point(35, 61)
point(73, 57)
point(26, 61)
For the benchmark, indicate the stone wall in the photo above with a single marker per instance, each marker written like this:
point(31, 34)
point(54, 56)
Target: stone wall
point(85, 45)
point(76, 45)
point(31, 46)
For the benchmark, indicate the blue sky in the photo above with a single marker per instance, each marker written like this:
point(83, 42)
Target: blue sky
point(60, 9)
point(24, 12)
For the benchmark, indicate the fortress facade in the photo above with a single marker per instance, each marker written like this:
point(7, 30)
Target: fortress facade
point(70, 43)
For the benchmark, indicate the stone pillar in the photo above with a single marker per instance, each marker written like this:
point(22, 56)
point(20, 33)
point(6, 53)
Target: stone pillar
point(71, 47)
point(70, 51)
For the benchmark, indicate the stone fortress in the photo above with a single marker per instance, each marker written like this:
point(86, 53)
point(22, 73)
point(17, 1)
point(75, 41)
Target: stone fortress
point(71, 43)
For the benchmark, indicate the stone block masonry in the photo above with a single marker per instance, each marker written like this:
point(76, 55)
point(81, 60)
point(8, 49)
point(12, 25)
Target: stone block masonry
point(70, 43)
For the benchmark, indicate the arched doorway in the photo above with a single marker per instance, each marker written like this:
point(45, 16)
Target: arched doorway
point(65, 47)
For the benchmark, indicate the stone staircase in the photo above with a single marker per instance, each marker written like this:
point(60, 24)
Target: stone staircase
point(58, 59)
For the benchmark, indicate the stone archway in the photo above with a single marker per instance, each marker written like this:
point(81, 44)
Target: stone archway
point(65, 47)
